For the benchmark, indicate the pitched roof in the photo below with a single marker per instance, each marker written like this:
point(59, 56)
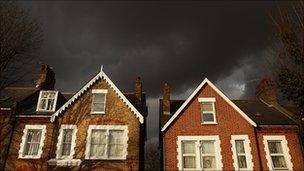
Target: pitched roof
point(100, 75)
point(10, 95)
point(206, 81)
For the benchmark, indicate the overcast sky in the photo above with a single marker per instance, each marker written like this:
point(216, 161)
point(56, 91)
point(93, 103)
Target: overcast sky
point(175, 42)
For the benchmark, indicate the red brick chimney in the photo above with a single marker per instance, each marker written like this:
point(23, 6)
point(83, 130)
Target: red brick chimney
point(46, 79)
point(138, 92)
point(166, 99)
point(265, 90)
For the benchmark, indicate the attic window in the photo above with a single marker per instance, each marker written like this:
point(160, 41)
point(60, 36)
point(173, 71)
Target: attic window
point(47, 101)
point(208, 110)
point(99, 101)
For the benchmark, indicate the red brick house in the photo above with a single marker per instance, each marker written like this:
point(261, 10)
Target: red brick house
point(97, 128)
point(208, 131)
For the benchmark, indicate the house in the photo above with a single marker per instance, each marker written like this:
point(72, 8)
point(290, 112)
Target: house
point(96, 128)
point(208, 131)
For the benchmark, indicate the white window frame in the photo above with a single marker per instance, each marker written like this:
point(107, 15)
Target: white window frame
point(99, 91)
point(247, 149)
point(23, 141)
point(211, 100)
point(107, 128)
point(39, 101)
point(60, 139)
point(285, 149)
point(197, 139)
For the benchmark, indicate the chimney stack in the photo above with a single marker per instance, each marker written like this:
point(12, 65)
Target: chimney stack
point(138, 93)
point(265, 90)
point(46, 79)
point(166, 99)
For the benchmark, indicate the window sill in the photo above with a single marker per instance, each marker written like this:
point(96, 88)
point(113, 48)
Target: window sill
point(121, 158)
point(29, 157)
point(209, 123)
point(64, 162)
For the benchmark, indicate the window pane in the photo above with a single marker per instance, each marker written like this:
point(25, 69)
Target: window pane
point(189, 162)
point(98, 143)
point(239, 146)
point(116, 136)
point(207, 147)
point(116, 150)
point(66, 149)
point(32, 142)
point(50, 104)
point(275, 147)
point(99, 97)
point(42, 104)
point(208, 162)
point(207, 107)
point(188, 147)
point(208, 117)
point(278, 161)
point(242, 161)
point(67, 135)
point(98, 107)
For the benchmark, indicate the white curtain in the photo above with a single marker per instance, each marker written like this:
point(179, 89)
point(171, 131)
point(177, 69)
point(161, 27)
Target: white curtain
point(98, 143)
point(116, 144)
point(32, 142)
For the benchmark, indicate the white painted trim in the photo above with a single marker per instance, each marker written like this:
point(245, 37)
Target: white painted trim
point(107, 128)
point(285, 148)
point(104, 91)
point(206, 81)
point(247, 151)
point(5, 108)
point(197, 139)
point(41, 144)
point(39, 100)
point(206, 99)
point(100, 75)
point(64, 162)
point(59, 142)
point(212, 101)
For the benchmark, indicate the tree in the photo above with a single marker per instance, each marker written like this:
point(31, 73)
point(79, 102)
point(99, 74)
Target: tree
point(288, 63)
point(21, 37)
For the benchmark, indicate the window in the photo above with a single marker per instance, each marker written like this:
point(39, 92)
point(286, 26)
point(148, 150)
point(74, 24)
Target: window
point(107, 142)
point(277, 153)
point(241, 152)
point(99, 101)
point(199, 153)
point(66, 141)
point(32, 141)
point(189, 159)
point(207, 110)
point(47, 101)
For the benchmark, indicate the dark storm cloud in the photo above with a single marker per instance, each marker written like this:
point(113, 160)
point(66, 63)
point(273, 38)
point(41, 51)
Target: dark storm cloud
point(177, 42)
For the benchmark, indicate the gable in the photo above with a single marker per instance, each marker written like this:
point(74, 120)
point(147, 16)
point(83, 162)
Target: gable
point(194, 94)
point(100, 75)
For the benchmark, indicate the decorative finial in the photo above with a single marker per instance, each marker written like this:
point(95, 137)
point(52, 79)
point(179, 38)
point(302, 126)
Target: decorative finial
point(101, 67)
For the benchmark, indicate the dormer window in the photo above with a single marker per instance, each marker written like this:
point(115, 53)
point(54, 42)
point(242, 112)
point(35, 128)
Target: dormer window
point(207, 110)
point(47, 101)
point(99, 101)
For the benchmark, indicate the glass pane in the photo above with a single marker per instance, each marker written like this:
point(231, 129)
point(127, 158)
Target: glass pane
point(208, 147)
point(116, 136)
point(44, 95)
point(189, 162)
point(208, 162)
point(50, 104)
point(207, 107)
point(242, 161)
point(208, 117)
point(98, 151)
point(67, 135)
point(239, 146)
point(98, 107)
point(42, 104)
point(51, 95)
point(33, 135)
point(98, 137)
point(99, 97)
point(188, 147)
point(66, 149)
point(278, 161)
point(275, 147)
point(116, 150)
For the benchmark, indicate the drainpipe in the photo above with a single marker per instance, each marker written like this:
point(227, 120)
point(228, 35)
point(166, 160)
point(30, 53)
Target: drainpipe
point(13, 122)
point(258, 148)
